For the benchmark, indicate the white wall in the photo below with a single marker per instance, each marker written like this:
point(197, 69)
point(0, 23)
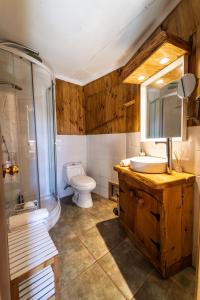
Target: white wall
point(103, 152)
point(69, 148)
point(98, 153)
point(132, 144)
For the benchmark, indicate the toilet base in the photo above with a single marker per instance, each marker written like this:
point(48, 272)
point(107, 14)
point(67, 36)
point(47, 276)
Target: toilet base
point(83, 199)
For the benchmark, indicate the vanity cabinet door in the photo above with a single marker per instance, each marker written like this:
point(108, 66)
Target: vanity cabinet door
point(140, 213)
point(147, 223)
point(127, 205)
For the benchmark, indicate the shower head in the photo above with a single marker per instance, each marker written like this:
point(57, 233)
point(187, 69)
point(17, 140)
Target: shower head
point(14, 86)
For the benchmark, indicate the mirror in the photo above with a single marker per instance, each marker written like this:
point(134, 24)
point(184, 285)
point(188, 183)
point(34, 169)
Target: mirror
point(186, 85)
point(163, 112)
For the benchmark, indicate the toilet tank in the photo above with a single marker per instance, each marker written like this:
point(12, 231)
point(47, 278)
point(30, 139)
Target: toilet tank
point(73, 169)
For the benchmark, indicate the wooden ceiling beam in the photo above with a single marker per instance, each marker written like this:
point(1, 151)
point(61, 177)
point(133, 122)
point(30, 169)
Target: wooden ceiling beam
point(149, 48)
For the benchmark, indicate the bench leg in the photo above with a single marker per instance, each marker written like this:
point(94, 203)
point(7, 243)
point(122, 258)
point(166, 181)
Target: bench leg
point(56, 270)
point(14, 291)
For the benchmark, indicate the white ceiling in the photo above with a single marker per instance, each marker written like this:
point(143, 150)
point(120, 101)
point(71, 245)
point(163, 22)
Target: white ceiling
point(82, 39)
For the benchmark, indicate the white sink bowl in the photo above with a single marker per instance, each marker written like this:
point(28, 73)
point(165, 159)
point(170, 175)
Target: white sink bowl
point(148, 164)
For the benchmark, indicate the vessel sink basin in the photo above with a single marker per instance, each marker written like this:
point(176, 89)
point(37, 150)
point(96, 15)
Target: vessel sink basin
point(148, 164)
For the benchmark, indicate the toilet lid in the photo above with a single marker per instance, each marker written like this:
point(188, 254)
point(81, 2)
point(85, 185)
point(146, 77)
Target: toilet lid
point(82, 180)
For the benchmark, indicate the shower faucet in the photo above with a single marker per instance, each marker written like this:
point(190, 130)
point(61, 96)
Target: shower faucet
point(168, 152)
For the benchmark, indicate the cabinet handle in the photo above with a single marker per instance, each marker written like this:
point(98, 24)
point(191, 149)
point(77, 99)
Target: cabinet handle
point(134, 193)
point(120, 190)
point(156, 215)
point(121, 209)
point(156, 244)
point(140, 201)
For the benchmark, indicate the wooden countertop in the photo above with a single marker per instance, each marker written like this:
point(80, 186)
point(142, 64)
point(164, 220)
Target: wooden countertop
point(157, 181)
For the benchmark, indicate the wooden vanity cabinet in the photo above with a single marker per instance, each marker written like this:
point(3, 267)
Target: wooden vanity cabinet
point(156, 210)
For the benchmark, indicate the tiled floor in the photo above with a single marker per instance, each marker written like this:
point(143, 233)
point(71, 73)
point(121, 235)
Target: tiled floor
point(98, 261)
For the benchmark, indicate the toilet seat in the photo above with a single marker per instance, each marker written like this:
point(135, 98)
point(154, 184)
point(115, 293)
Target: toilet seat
point(82, 182)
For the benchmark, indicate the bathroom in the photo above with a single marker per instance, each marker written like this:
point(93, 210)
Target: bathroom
point(74, 85)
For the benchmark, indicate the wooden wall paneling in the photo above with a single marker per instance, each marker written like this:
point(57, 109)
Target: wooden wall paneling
point(192, 67)
point(70, 108)
point(72, 102)
point(105, 83)
point(59, 107)
point(183, 20)
point(81, 111)
point(105, 110)
point(66, 129)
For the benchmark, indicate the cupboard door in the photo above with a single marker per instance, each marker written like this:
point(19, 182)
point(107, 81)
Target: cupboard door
point(127, 205)
point(147, 223)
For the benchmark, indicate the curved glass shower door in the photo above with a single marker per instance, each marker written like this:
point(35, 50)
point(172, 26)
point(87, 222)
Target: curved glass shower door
point(16, 101)
point(44, 114)
point(27, 132)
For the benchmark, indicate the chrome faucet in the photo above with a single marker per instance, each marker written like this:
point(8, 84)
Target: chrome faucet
point(168, 152)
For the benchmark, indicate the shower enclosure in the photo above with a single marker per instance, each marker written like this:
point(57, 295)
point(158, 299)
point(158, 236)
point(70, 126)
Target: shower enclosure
point(27, 132)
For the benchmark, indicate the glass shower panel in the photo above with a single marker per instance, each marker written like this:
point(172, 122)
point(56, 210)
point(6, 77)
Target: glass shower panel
point(44, 111)
point(6, 64)
point(8, 124)
point(26, 130)
point(17, 126)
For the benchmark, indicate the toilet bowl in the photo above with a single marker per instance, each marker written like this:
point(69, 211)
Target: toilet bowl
point(81, 184)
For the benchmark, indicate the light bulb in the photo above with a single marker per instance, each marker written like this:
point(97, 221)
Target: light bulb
point(160, 81)
point(142, 77)
point(164, 60)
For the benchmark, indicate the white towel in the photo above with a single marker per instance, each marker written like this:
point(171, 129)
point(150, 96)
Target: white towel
point(28, 218)
point(125, 162)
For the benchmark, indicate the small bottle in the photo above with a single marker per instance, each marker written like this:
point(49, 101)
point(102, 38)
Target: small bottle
point(20, 199)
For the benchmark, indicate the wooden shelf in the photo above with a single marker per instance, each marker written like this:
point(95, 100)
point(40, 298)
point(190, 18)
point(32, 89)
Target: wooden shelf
point(146, 62)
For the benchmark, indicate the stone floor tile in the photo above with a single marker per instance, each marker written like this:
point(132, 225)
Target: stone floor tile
point(74, 260)
point(61, 233)
point(155, 288)
point(186, 280)
point(77, 218)
point(93, 284)
point(126, 267)
point(102, 210)
point(107, 235)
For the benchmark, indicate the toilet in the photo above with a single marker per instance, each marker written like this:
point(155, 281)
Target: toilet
point(81, 184)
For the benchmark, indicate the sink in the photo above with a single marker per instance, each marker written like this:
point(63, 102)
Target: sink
point(148, 164)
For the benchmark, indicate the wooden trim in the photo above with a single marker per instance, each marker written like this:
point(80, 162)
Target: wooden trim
point(149, 47)
point(57, 275)
point(127, 104)
point(197, 292)
point(4, 264)
point(104, 123)
point(111, 185)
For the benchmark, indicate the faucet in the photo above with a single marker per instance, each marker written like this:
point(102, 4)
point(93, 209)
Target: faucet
point(168, 152)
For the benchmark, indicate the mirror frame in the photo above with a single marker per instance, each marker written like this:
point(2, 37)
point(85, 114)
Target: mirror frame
point(182, 61)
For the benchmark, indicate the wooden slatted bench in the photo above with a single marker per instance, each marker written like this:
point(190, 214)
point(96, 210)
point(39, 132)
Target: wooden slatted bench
point(34, 266)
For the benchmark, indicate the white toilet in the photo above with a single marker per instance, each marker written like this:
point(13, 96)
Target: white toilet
point(81, 184)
